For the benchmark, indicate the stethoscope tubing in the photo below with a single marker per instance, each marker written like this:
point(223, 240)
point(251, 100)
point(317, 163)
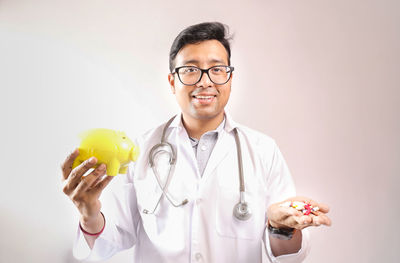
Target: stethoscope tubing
point(241, 210)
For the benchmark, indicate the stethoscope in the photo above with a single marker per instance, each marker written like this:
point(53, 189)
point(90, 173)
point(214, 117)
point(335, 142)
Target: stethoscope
point(241, 210)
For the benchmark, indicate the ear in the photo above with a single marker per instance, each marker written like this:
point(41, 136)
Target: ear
point(230, 80)
point(171, 80)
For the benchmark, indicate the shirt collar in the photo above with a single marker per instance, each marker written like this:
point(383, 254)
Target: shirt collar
point(228, 126)
point(177, 122)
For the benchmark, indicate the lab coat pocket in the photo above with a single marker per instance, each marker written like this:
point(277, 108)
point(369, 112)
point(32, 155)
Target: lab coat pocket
point(227, 225)
point(148, 193)
point(163, 222)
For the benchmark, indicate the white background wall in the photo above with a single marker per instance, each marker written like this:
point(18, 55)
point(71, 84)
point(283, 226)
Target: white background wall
point(321, 77)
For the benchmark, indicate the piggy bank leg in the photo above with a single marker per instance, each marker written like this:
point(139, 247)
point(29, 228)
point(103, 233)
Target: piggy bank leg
point(113, 168)
point(123, 170)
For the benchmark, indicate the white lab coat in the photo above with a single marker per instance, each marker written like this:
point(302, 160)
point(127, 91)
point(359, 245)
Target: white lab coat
point(203, 230)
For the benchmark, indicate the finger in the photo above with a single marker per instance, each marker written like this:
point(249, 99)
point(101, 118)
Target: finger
point(310, 201)
point(78, 172)
point(103, 183)
point(315, 220)
point(323, 207)
point(89, 180)
point(321, 220)
point(76, 175)
point(98, 179)
point(66, 166)
point(280, 214)
point(294, 212)
point(300, 222)
point(99, 176)
point(288, 210)
point(291, 211)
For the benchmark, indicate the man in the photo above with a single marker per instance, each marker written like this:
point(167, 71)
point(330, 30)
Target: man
point(190, 214)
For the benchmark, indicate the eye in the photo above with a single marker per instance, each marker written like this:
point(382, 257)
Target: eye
point(219, 70)
point(189, 70)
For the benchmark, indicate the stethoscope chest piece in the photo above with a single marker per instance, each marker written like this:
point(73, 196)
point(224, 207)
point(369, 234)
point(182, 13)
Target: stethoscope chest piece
point(242, 211)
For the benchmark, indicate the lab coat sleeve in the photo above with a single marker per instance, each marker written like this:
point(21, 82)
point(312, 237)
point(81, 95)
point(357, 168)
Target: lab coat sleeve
point(280, 186)
point(119, 207)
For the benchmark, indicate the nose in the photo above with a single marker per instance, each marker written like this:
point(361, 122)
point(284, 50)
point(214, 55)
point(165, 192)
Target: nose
point(205, 81)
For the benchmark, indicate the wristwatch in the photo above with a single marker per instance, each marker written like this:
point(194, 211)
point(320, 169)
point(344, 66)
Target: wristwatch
point(280, 233)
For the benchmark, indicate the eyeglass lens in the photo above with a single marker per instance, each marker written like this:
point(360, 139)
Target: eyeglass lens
point(191, 75)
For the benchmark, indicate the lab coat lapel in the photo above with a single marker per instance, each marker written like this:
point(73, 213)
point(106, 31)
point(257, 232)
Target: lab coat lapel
point(224, 145)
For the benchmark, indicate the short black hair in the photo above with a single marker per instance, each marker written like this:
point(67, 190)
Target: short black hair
point(198, 33)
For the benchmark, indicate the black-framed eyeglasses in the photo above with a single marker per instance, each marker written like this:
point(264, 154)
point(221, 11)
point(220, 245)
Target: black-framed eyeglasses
point(191, 75)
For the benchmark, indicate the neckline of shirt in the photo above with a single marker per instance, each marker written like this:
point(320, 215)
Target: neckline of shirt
point(215, 132)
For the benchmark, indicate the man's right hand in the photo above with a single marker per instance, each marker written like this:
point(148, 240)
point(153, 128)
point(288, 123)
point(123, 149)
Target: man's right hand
point(85, 191)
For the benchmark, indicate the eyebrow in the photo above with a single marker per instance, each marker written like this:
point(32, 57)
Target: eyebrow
point(195, 61)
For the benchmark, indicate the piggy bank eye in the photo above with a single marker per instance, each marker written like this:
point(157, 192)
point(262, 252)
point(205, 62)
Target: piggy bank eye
point(124, 137)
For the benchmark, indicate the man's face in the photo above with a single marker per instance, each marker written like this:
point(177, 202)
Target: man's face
point(204, 100)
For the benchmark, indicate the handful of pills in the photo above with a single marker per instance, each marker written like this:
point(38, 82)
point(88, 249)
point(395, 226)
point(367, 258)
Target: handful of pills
point(301, 206)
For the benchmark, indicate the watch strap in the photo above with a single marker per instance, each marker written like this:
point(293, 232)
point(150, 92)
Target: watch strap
point(280, 233)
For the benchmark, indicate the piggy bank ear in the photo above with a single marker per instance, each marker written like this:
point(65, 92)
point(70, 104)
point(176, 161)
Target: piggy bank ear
point(134, 154)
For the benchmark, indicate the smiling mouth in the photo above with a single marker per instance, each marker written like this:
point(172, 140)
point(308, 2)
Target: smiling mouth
point(204, 97)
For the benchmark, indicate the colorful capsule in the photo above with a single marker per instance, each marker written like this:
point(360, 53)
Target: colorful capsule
point(306, 209)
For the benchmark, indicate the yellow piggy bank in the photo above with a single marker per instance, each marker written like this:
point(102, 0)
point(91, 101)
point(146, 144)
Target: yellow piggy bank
point(110, 147)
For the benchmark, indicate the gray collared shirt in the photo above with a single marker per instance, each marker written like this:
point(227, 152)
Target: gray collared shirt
point(203, 147)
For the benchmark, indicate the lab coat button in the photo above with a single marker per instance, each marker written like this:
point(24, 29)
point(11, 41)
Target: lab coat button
point(203, 147)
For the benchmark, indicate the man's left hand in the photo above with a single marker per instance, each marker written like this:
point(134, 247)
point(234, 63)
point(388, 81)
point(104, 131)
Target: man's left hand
point(287, 217)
